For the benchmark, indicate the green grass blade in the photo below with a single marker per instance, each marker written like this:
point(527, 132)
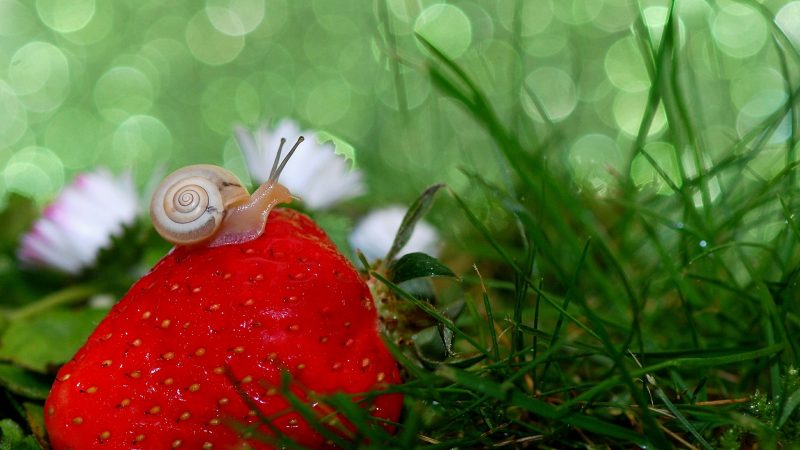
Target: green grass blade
point(418, 208)
point(675, 363)
point(792, 402)
point(431, 311)
point(487, 305)
point(682, 419)
point(507, 393)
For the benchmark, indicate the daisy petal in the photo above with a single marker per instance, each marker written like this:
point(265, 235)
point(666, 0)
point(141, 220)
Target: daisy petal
point(81, 221)
point(316, 174)
point(374, 234)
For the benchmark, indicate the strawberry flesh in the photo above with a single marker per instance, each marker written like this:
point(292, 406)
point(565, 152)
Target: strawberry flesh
point(194, 353)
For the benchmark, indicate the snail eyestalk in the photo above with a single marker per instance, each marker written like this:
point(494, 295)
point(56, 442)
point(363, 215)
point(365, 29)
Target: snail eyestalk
point(277, 160)
point(274, 176)
point(224, 213)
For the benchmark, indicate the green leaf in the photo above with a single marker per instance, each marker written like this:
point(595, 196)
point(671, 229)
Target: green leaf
point(47, 340)
point(454, 310)
point(431, 345)
point(13, 438)
point(429, 310)
point(23, 382)
point(415, 212)
point(421, 288)
point(682, 419)
point(464, 362)
point(512, 396)
point(417, 265)
point(17, 218)
point(34, 414)
point(791, 405)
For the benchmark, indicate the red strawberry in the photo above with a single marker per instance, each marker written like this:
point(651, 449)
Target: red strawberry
point(199, 345)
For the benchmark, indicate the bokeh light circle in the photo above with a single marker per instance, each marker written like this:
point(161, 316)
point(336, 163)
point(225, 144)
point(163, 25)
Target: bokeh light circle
point(277, 96)
point(767, 164)
point(34, 65)
point(615, 16)
point(656, 17)
point(625, 66)
point(16, 19)
point(39, 74)
point(739, 31)
point(141, 142)
point(645, 175)
point(550, 43)
point(233, 160)
point(35, 172)
point(447, 27)
point(320, 48)
point(482, 23)
point(235, 17)
point(595, 160)
point(753, 82)
point(72, 134)
point(248, 102)
point(788, 19)
point(417, 88)
point(754, 115)
point(171, 58)
point(276, 18)
point(122, 92)
point(554, 89)
point(13, 117)
point(65, 15)
point(222, 104)
point(577, 12)
point(327, 102)
point(534, 17)
point(504, 69)
point(629, 109)
point(340, 18)
point(208, 44)
point(97, 30)
point(400, 9)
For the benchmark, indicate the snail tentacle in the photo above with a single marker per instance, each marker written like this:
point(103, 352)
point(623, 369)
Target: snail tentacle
point(277, 160)
point(274, 176)
point(247, 221)
point(208, 204)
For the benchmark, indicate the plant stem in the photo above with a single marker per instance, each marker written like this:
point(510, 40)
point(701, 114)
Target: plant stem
point(65, 296)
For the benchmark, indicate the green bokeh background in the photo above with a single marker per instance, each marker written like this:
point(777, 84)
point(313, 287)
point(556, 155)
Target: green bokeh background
point(153, 85)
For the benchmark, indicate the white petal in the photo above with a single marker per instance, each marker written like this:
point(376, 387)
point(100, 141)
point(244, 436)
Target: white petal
point(375, 233)
point(333, 183)
point(253, 156)
point(316, 174)
point(80, 222)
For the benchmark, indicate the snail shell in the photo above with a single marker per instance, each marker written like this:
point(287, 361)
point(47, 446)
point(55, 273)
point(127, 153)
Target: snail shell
point(189, 206)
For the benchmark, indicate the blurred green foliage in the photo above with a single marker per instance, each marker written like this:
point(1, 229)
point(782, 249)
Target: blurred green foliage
point(666, 141)
point(150, 85)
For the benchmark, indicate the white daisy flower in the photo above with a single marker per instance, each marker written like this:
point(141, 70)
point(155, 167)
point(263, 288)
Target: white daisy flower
point(316, 174)
point(80, 222)
point(374, 234)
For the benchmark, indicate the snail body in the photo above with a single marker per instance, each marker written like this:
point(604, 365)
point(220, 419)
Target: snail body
point(206, 204)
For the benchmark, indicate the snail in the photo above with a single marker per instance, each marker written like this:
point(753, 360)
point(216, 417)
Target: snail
point(208, 205)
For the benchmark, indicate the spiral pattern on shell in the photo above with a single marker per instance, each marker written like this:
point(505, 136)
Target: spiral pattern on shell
point(189, 205)
point(187, 201)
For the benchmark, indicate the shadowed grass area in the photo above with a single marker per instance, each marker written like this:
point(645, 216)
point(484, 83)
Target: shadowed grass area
point(628, 318)
point(649, 302)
